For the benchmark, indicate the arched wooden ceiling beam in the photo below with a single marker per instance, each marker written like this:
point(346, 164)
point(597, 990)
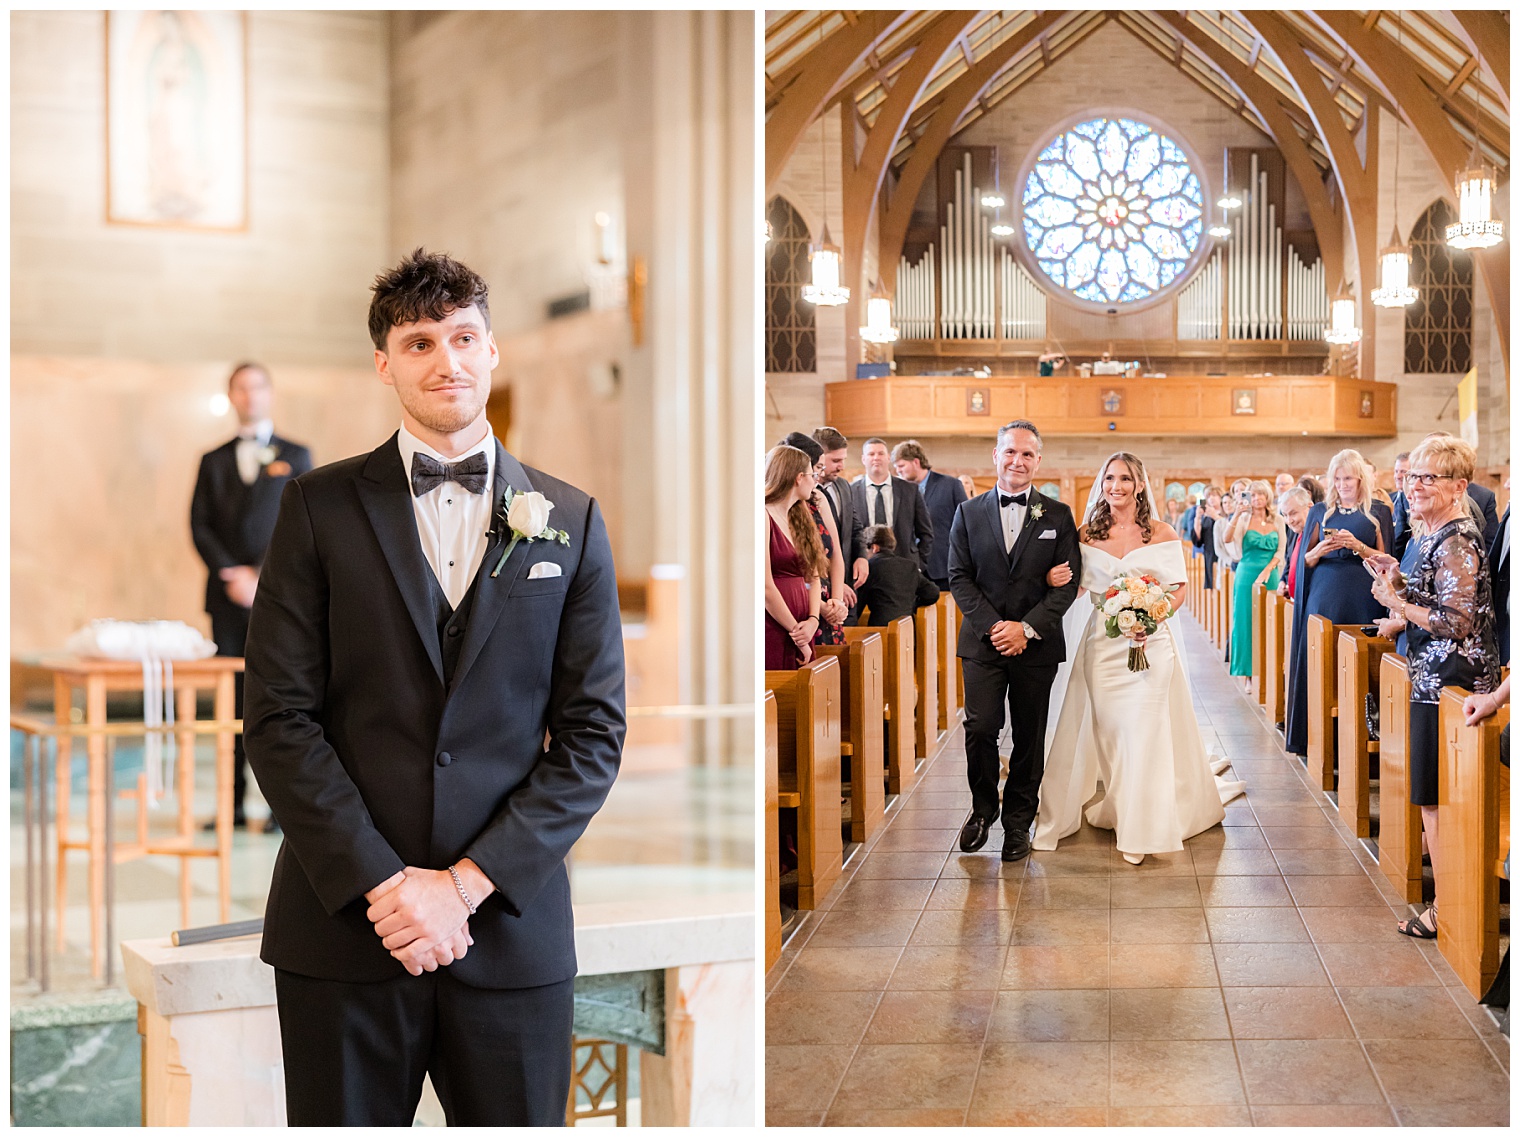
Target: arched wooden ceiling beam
point(956, 100)
point(1356, 173)
point(1486, 35)
point(835, 60)
point(862, 184)
point(1265, 101)
point(1380, 57)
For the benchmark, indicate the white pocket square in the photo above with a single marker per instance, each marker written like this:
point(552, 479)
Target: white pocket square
point(543, 569)
point(1047, 535)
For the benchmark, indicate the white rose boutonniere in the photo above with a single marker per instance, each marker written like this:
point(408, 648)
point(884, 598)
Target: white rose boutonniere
point(1037, 510)
point(525, 515)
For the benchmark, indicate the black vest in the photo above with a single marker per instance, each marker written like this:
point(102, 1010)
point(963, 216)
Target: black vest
point(452, 622)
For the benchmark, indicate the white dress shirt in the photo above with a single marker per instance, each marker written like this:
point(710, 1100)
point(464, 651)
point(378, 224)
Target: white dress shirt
point(1013, 524)
point(251, 443)
point(886, 501)
point(451, 521)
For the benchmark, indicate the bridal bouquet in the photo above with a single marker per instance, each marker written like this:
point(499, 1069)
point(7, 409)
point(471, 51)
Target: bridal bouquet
point(1135, 603)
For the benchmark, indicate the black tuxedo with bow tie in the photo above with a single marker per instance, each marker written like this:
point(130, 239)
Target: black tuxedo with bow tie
point(991, 584)
point(391, 729)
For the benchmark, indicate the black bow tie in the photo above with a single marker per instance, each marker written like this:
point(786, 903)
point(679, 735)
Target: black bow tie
point(428, 473)
point(1004, 500)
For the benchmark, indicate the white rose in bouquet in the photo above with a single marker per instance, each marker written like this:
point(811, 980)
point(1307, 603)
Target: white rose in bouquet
point(1112, 605)
point(529, 513)
point(1127, 621)
point(1136, 587)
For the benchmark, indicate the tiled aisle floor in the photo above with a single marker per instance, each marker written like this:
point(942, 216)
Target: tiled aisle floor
point(1255, 978)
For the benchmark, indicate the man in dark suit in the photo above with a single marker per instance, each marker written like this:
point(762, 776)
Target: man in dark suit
point(942, 496)
point(847, 520)
point(1002, 544)
point(232, 514)
point(896, 587)
point(881, 498)
point(435, 707)
point(1400, 506)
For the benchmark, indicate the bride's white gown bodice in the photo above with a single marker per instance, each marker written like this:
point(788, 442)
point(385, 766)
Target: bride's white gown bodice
point(1125, 751)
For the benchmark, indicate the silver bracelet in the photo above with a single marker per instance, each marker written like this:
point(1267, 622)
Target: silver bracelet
point(463, 895)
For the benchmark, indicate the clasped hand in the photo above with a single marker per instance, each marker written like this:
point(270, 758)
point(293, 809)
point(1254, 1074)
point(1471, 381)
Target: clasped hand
point(1008, 637)
point(420, 918)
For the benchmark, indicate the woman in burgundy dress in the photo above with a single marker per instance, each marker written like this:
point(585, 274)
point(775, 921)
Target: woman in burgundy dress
point(795, 561)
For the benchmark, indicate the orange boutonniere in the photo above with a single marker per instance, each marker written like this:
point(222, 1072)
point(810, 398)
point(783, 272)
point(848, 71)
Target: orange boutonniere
point(278, 469)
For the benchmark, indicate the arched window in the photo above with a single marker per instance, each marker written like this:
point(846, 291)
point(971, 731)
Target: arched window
point(1438, 326)
point(791, 326)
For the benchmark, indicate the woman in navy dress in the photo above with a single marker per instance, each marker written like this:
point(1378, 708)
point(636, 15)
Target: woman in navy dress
point(1329, 576)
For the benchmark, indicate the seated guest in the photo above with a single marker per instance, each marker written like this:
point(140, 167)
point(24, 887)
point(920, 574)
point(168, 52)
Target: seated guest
point(1447, 608)
point(794, 563)
point(942, 495)
point(895, 587)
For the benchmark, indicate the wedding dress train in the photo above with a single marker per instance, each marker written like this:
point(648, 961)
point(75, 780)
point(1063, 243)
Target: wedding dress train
point(1126, 751)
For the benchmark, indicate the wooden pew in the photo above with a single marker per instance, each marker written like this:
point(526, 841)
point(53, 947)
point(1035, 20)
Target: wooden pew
point(929, 737)
point(1287, 653)
point(863, 737)
point(1222, 619)
point(807, 753)
point(1474, 836)
point(900, 697)
point(951, 702)
point(772, 837)
point(1259, 596)
point(1398, 820)
point(1275, 658)
point(1357, 662)
point(1322, 707)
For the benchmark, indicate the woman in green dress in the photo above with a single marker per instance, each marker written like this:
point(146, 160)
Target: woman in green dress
point(1258, 532)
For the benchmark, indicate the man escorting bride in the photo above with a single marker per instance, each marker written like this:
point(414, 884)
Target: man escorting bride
point(1126, 751)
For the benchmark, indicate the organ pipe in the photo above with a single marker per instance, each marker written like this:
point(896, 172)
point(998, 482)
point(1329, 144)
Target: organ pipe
point(914, 304)
point(1255, 268)
point(1023, 302)
point(1199, 304)
point(967, 268)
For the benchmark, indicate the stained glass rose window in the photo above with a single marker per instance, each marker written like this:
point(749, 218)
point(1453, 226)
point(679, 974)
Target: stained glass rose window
point(1113, 211)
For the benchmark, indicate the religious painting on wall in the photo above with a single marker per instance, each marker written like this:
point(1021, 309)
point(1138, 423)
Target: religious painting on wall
point(1243, 401)
point(177, 119)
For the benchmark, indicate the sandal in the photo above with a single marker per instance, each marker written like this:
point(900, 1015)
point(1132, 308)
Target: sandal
point(1416, 927)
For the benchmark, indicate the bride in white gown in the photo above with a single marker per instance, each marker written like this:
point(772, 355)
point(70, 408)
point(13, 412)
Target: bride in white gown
point(1126, 751)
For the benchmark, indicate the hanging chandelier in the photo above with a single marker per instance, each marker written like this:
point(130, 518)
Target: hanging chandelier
point(1222, 230)
point(878, 327)
point(1343, 329)
point(825, 291)
point(1476, 227)
point(1393, 270)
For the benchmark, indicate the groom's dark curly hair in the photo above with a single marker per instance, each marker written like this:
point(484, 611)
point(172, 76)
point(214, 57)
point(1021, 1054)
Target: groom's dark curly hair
point(1101, 518)
point(424, 286)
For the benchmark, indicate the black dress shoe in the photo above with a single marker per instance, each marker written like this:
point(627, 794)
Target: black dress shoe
point(1016, 846)
point(974, 833)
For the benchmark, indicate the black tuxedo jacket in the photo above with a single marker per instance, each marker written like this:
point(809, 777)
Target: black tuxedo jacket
point(990, 584)
point(1498, 574)
point(1489, 505)
point(1400, 525)
point(370, 762)
point(231, 523)
point(943, 496)
point(910, 517)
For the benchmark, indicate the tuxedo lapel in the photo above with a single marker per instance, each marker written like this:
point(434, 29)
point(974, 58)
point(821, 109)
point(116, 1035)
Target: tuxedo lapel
point(1026, 534)
point(387, 498)
point(992, 517)
point(491, 591)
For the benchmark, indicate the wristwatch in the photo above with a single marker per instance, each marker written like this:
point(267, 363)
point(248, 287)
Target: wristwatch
point(1028, 631)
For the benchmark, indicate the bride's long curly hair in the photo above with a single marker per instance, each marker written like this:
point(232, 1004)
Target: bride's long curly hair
point(1100, 517)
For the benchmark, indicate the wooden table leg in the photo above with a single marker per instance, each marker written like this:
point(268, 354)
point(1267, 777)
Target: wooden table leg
point(184, 712)
point(95, 746)
point(226, 709)
point(63, 702)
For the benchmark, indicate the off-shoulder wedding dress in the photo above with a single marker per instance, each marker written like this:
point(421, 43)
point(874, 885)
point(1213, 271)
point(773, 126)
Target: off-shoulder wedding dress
point(1126, 751)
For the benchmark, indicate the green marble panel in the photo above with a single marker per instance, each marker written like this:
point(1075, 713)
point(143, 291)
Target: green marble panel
point(77, 1074)
point(628, 1007)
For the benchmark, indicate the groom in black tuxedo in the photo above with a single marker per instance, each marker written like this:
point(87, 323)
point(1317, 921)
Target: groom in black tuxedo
point(1002, 544)
point(435, 710)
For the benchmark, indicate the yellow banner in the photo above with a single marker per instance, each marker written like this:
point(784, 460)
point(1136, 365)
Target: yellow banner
point(1467, 407)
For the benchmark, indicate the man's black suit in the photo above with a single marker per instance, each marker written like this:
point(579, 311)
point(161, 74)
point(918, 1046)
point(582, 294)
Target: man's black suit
point(391, 730)
point(910, 517)
point(1400, 524)
point(1484, 497)
point(1498, 573)
point(943, 496)
point(231, 524)
point(897, 587)
point(849, 522)
point(991, 584)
